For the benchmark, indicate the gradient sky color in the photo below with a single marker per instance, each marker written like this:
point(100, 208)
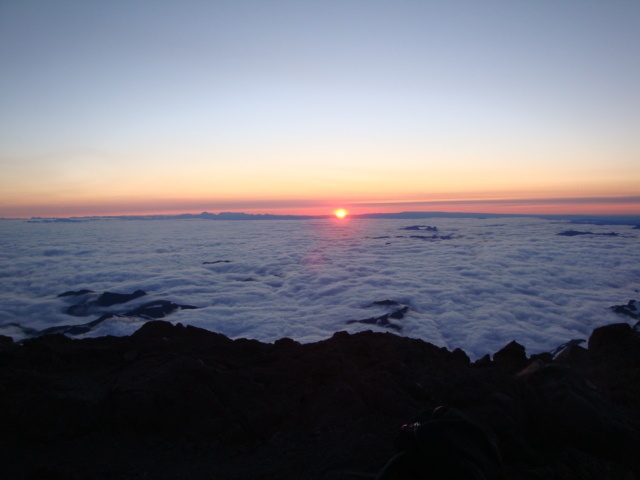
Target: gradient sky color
point(303, 107)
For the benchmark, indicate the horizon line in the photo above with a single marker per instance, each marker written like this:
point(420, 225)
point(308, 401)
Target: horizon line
point(238, 216)
point(586, 205)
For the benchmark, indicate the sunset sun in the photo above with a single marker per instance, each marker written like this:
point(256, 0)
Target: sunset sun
point(340, 213)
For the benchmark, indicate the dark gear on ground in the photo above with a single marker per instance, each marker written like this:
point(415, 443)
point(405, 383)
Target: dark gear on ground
point(444, 445)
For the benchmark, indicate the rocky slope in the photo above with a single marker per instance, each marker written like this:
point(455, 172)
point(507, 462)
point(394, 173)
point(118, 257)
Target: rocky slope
point(174, 402)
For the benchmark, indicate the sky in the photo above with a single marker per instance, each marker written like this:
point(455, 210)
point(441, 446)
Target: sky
point(134, 107)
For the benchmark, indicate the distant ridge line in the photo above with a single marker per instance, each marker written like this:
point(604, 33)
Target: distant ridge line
point(590, 219)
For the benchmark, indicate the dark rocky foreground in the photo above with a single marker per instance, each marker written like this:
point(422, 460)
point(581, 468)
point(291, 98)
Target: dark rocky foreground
point(174, 402)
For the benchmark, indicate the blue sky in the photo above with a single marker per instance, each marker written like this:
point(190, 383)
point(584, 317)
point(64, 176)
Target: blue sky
point(108, 107)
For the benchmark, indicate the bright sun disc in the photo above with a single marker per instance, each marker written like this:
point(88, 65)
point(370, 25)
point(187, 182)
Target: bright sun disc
point(341, 213)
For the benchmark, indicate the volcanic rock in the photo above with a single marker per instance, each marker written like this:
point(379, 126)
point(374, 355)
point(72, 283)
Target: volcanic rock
point(511, 357)
point(615, 344)
point(631, 309)
point(175, 402)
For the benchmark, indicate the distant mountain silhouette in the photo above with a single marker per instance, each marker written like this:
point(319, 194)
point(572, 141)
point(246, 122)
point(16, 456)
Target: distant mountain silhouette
point(577, 219)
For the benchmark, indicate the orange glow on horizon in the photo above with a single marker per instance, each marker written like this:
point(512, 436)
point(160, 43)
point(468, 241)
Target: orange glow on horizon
point(625, 205)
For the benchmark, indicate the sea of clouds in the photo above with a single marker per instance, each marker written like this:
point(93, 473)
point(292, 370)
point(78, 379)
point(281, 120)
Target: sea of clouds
point(476, 284)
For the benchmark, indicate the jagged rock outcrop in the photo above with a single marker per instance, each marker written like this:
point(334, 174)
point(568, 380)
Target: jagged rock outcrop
point(631, 309)
point(106, 299)
point(175, 402)
point(384, 320)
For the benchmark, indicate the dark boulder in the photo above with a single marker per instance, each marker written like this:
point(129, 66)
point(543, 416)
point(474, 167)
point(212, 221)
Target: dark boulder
point(573, 355)
point(615, 344)
point(512, 357)
point(560, 348)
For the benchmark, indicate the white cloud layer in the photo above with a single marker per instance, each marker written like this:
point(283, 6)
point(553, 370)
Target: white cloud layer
point(492, 282)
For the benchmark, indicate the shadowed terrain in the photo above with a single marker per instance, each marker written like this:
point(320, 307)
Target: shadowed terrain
point(174, 402)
